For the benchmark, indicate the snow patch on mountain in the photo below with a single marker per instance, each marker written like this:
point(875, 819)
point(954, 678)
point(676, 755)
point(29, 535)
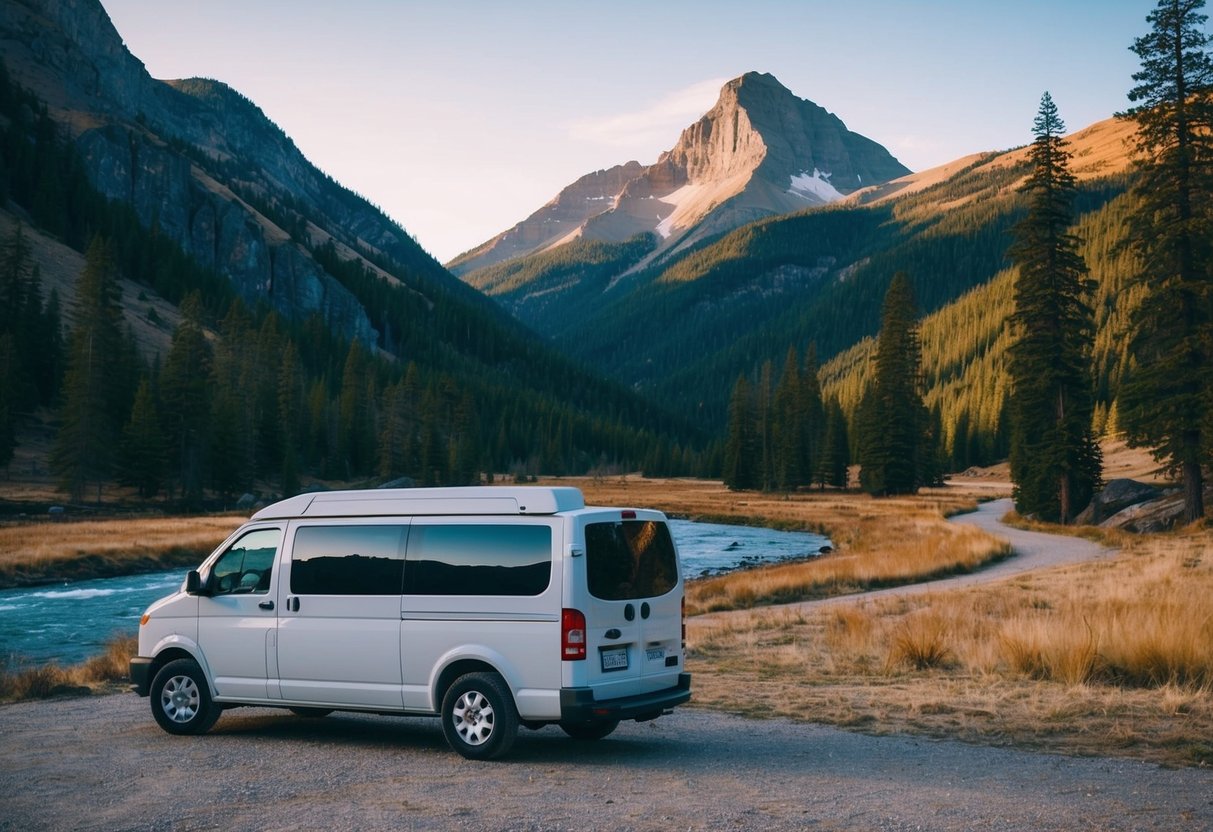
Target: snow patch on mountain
point(813, 186)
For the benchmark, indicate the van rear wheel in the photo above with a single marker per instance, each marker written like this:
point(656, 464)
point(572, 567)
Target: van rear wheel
point(181, 700)
point(479, 719)
point(589, 730)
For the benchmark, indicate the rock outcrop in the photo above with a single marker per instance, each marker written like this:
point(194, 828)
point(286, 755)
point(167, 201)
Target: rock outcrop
point(758, 152)
point(1116, 496)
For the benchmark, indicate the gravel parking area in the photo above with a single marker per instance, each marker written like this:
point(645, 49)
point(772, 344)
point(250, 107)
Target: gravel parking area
point(101, 763)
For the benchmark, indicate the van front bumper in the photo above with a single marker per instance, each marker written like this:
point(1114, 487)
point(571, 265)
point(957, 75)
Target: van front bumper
point(141, 675)
point(579, 705)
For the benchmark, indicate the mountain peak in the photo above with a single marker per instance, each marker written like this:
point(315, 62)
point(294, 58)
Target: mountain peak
point(755, 79)
point(758, 152)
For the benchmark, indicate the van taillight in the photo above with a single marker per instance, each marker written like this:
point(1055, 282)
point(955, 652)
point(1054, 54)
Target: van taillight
point(572, 635)
point(684, 622)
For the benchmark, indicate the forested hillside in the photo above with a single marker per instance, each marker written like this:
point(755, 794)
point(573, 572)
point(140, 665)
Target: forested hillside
point(245, 398)
point(964, 345)
point(682, 334)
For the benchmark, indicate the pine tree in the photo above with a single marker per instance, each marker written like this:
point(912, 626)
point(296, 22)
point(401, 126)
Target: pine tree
point(812, 414)
point(186, 400)
point(1055, 460)
point(291, 411)
point(8, 417)
point(143, 449)
point(94, 406)
point(742, 460)
point(835, 449)
point(789, 426)
point(1165, 399)
point(893, 418)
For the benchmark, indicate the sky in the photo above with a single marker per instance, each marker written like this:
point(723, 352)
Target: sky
point(460, 118)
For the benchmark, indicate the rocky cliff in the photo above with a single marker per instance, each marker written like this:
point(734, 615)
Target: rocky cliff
point(760, 151)
point(203, 164)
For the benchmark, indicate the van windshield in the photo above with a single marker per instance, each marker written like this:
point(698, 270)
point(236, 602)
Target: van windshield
point(630, 559)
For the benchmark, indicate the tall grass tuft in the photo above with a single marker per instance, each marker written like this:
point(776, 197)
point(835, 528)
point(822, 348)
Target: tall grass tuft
point(921, 640)
point(45, 681)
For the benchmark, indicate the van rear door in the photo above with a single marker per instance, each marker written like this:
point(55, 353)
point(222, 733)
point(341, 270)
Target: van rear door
point(634, 605)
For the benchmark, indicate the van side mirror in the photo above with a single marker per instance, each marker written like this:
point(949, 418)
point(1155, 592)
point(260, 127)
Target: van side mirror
point(194, 585)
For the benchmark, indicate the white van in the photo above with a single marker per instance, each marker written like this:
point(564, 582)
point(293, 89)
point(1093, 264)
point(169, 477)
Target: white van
point(490, 607)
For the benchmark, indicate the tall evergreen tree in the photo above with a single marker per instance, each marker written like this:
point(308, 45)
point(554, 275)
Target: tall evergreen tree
point(742, 456)
point(789, 426)
point(143, 449)
point(835, 449)
point(1165, 399)
point(291, 412)
point(8, 417)
point(94, 406)
point(812, 414)
point(1055, 460)
point(894, 429)
point(186, 399)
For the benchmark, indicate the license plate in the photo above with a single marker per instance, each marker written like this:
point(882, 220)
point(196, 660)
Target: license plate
point(655, 654)
point(614, 659)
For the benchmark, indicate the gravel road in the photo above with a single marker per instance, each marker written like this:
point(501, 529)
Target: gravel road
point(101, 763)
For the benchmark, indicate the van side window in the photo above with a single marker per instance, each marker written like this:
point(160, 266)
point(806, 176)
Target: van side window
point(348, 560)
point(465, 559)
point(248, 565)
point(630, 559)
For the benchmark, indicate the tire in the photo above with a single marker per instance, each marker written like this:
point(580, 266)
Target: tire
point(479, 719)
point(311, 713)
point(589, 730)
point(181, 698)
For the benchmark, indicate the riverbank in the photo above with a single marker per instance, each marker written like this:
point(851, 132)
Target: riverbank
point(34, 553)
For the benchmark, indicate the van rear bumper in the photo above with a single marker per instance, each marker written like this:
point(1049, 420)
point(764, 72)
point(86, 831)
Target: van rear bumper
point(141, 675)
point(579, 705)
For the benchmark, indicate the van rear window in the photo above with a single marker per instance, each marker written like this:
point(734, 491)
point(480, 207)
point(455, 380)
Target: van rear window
point(630, 559)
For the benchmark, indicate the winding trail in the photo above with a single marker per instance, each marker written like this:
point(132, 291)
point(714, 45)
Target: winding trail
point(1031, 551)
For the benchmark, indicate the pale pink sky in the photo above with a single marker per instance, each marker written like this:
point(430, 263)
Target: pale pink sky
point(460, 118)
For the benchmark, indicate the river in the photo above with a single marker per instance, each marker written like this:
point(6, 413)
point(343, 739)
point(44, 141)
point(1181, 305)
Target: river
point(68, 623)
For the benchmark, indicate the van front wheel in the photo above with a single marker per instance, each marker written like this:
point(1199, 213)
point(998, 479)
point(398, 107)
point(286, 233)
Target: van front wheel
point(479, 719)
point(181, 700)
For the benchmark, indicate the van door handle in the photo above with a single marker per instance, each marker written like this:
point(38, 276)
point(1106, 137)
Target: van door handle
point(266, 605)
point(292, 605)
point(644, 610)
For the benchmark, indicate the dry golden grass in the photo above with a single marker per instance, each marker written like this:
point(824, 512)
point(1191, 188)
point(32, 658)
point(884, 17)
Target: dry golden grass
point(37, 552)
point(1112, 657)
point(877, 543)
point(107, 670)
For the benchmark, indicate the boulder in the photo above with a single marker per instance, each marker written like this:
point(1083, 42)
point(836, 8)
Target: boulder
point(1116, 496)
point(1153, 516)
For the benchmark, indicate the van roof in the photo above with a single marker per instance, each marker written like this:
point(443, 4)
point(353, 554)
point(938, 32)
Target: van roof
point(426, 501)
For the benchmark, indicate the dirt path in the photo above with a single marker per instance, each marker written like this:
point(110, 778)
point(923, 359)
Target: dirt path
point(101, 763)
point(1032, 550)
